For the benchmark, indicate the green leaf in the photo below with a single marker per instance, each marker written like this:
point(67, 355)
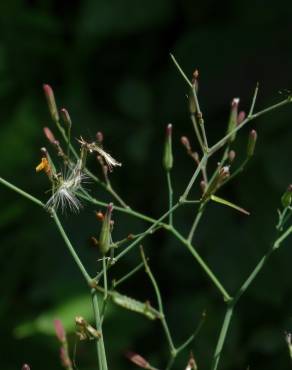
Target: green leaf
point(66, 312)
point(229, 204)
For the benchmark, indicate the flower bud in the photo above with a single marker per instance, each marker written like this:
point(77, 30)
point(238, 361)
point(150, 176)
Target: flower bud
point(168, 157)
point(287, 197)
point(66, 117)
point(25, 367)
point(138, 360)
point(51, 102)
point(240, 117)
point(105, 233)
point(49, 135)
point(233, 118)
point(60, 331)
point(186, 143)
point(231, 156)
point(251, 143)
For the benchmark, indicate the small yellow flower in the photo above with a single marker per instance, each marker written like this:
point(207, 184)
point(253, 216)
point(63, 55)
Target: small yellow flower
point(43, 166)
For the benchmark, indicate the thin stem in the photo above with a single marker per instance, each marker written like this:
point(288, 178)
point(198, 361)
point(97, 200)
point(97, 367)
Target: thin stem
point(170, 196)
point(200, 119)
point(254, 98)
point(261, 263)
point(194, 177)
point(222, 337)
point(21, 192)
point(71, 248)
point(197, 132)
point(104, 270)
point(128, 275)
point(181, 71)
point(148, 231)
point(99, 341)
point(85, 195)
point(196, 221)
point(160, 304)
point(202, 263)
point(221, 142)
point(193, 336)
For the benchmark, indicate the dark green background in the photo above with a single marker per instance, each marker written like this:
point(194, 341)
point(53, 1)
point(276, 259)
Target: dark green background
point(109, 64)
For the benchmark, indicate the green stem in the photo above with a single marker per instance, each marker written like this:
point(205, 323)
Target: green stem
point(21, 192)
point(172, 349)
point(71, 248)
point(222, 336)
point(100, 341)
point(128, 275)
point(221, 142)
point(202, 263)
point(254, 98)
point(193, 336)
point(196, 221)
point(170, 196)
point(148, 231)
point(194, 177)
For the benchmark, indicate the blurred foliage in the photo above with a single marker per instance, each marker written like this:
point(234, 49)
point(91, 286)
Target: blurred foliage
point(109, 64)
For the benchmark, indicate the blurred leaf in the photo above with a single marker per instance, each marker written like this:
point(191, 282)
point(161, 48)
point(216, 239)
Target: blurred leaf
point(66, 312)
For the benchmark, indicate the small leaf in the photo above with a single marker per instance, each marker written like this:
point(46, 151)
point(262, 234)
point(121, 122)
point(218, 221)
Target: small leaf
point(229, 204)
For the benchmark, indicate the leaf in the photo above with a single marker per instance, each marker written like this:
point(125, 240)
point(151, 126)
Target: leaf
point(229, 204)
point(66, 312)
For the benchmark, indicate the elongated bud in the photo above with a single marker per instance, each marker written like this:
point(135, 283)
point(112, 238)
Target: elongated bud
point(66, 117)
point(49, 135)
point(138, 360)
point(51, 102)
point(231, 156)
point(25, 367)
point(233, 118)
point(168, 157)
point(251, 143)
point(60, 331)
point(240, 117)
point(287, 197)
point(105, 233)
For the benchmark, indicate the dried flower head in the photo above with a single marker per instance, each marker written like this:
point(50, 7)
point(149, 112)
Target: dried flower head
point(94, 147)
point(66, 188)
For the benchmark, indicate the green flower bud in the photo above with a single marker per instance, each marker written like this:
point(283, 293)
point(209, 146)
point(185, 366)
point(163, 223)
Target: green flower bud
point(287, 197)
point(233, 118)
point(168, 157)
point(105, 233)
point(251, 143)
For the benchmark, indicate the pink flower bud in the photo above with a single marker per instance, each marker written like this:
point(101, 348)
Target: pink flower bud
point(60, 331)
point(240, 117)
point(137, 360)
point(25, 367)
point(66, 117)
point(51, 102)
point(49, 135)
point(186, 143)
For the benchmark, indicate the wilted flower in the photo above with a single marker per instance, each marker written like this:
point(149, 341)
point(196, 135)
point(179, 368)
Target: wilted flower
point(94, 147)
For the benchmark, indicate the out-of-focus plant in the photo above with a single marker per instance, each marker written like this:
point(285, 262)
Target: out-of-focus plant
point(70, 180)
